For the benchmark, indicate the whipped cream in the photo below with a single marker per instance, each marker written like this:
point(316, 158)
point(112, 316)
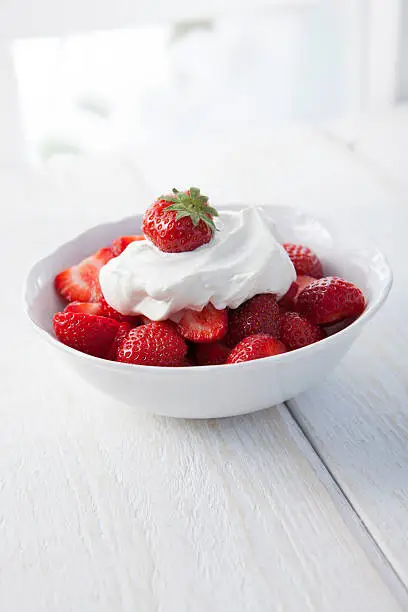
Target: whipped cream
point(244, 258)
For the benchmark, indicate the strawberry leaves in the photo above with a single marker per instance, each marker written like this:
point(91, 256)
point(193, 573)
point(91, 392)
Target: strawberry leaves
point(191, 204)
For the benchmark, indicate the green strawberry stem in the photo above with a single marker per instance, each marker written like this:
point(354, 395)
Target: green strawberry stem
point(193, 205)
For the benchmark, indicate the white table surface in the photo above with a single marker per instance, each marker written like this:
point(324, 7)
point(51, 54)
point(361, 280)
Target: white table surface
point(299, 507)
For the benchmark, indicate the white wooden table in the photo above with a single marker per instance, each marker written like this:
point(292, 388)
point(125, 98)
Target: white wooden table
point(300, 507)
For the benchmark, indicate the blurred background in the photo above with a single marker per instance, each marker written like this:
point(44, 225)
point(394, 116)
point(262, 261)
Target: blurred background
point(84, 77)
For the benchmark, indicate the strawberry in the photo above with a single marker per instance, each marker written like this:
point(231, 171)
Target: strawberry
point(110, 312)
point(102, 309)
point(256, 347)
point(87, 333)
point(296, 331)
point(81, 282)
point(206, 325)
point(122, 332)
point(259, 315)
point(288, 301)
point(92, 308)
point(330, 299)
point(214, 353)
point(155, 344)
point(180, 222)
point(120, 244)
point(304, 259)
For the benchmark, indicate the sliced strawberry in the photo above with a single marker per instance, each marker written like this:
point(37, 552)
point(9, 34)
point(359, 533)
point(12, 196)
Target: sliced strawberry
point(296, 331)
point(207, 325)
point(81, 282)
point(256, 347)
point(123, 330)
point(87, 333)
point(330, 299)
point(259, 315)
point(288, 301)
point(120, 244)
point(214, 353)
point(110, 312)
point(304, 259)
point(93, 308)
point(155, 344)
point(102, 309)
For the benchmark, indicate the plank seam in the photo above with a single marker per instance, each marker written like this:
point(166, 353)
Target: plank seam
point(354, 520)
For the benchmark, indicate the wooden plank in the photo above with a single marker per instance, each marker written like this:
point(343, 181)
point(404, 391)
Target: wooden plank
point(104, 508)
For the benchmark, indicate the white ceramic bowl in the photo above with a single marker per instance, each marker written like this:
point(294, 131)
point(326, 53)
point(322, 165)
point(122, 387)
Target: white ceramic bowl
point(216, 391)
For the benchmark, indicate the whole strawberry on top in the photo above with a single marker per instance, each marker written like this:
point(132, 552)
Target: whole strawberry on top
point(180, 222)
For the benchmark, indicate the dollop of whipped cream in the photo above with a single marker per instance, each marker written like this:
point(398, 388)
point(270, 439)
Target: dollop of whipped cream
point(244, 258)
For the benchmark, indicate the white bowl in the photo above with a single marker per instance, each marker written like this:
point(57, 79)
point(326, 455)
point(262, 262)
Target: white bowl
point(225, 390)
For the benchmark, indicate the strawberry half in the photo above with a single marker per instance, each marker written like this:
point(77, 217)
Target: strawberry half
point(87, 333)
point(206, 325)
point(304, 260)
point(81, 282)
point(259, 315)
point(215, 353)
point(92, 308)
point(120, 244)
point(180, 222)
point(296, 331)
point(288, 301)
point(330, 299)
point(102, 309)
point(110, 312)
point(256, 347)
point(154, 344)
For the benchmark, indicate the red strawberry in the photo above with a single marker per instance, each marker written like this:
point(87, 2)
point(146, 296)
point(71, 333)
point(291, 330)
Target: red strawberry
point(288, 301)
point(214, 353)
point(155, 344)
point(256, 347)
point(93, 308)
point(206, 325)
point(305, 261)
point(296, 331)
point(120, 244)
point(81, 282)
point(110, 312)
point(259, 315)
point(180, 222)
point(330, 299)
point(86, 332)
point(123, 330)
point(102, 309)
